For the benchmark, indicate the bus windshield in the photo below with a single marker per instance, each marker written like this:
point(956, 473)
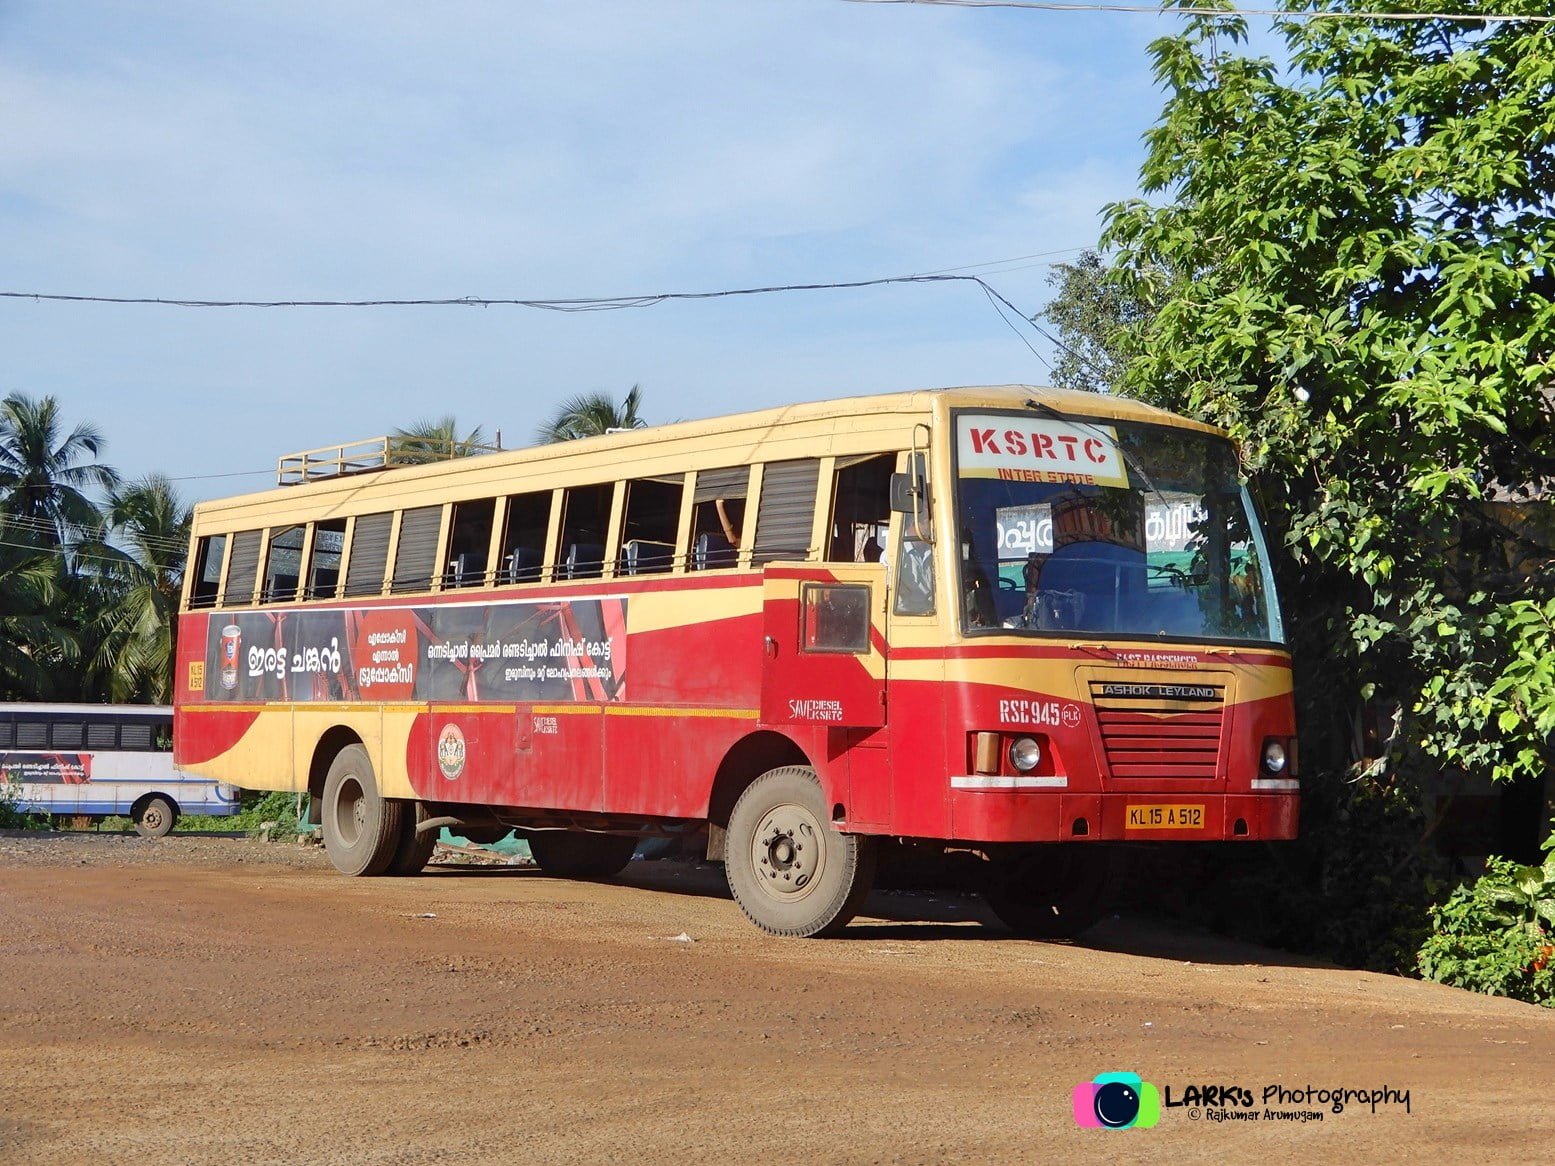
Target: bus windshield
point(1118, 529)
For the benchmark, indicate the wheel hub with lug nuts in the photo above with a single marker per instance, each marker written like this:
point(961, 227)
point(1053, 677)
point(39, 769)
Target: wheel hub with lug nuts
point(788, 852)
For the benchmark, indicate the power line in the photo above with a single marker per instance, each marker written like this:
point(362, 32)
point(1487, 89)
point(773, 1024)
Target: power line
point(581, 304)
point(1228, 13)
point(45, 526)
point(207, 477)
point(64, 553)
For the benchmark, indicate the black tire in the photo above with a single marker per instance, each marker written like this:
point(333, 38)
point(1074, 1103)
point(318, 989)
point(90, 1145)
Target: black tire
point(415, 849)
point(577, 854)
point(1054, 891)
point(362, 829)
point(154, 817)
point(782, 888)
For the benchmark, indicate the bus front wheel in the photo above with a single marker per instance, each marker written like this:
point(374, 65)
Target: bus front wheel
point(789, 871)
point(154, 817)
point(576, 854)
point(362, 829)
point(1055, 890)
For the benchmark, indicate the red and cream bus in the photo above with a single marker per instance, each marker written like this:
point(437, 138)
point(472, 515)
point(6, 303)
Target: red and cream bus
point(1035, 625)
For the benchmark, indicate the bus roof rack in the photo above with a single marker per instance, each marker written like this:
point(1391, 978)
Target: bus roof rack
point(369, 456)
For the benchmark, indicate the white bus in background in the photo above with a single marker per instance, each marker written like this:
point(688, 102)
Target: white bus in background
point(75, 761)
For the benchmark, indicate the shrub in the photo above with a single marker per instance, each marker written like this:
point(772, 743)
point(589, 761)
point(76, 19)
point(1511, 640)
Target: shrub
point(11, 818)
point(1498, 935)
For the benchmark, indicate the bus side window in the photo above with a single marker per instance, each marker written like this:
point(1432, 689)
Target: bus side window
point(470, 542)
point(244, 571)
point(718, 517)
point(369, 554)
point(32, 734)
point(7, 734)
point(283, 566)
point(329, 540)
point(102, 735)
point(585, 518)
point(209, 556)
point(786, 512)
point(66, 735)
point(861, 509)
point(162, 734)
point(135, 735)
point(416, 555)
point(648, 527)
point(523, 537)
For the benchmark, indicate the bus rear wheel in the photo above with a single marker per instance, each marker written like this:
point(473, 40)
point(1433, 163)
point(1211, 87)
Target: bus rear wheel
point(154, 817)
point(577, 854)
point(362, 829)
point(415, 849)
point(1054, 891)
point(789, 871)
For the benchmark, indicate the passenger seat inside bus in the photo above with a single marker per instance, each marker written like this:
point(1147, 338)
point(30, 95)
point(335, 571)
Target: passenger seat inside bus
point(584, 561)
point(712, 551)
point(641, 556)
point(522, 565)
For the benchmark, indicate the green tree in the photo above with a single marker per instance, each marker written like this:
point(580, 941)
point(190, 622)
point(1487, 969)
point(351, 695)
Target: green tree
point(590, 414)
point(45, 473)
point(33, 645)
point(1099, 319)
point(435, 441)
point(1367, 303)
point(132, 600)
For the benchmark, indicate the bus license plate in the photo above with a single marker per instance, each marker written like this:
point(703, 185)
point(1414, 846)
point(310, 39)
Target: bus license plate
point(1165, 817)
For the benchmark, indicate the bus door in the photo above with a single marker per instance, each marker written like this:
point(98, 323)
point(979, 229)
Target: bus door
point(824, 648)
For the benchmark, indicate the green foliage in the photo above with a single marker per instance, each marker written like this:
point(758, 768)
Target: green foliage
point(436, 441)
point(1371, 313)
point(88, 590)
point(12, 818)
point(1498, 935)
point(592, 414)
point(1350, 265)
point(1100, 321)
point(257, 809)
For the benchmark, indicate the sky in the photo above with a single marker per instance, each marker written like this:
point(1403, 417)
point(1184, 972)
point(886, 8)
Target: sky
point(533, 150)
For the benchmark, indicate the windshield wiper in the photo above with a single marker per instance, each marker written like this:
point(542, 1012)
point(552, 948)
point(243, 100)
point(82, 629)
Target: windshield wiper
point(1131, 461)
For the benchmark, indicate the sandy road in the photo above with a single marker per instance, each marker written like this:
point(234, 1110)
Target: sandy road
point(215, 1001)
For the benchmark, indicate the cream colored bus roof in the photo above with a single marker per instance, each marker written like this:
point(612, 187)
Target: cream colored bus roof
point(809, 429)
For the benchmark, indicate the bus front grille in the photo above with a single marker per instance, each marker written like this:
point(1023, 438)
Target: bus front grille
point(1160, 730)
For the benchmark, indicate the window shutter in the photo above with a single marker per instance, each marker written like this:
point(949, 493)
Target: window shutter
point(731, 483)
point(369, 554)
point(416, 556)
point(244, 571)
point(787, 510)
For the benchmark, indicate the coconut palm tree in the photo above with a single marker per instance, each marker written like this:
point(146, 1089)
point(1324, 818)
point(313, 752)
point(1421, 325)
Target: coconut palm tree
point(590, 414)
point(45, 472)
point(435, 441)
point(135, 589)
point(33, 645)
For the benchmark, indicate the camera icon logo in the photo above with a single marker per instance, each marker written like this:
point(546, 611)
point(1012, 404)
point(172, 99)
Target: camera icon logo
point(1116, 1101)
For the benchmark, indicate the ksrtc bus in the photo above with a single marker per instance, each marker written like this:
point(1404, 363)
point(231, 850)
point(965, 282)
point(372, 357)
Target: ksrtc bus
point(1035, 625)
point(74, 761)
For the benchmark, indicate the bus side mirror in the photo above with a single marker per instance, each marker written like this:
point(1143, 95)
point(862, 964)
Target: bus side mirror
point(910, 493)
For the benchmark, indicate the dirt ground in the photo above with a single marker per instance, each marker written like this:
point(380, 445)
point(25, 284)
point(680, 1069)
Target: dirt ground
point(205, 1000)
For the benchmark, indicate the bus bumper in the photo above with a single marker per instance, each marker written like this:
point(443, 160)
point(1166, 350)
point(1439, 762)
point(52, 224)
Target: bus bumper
point(1020, 815)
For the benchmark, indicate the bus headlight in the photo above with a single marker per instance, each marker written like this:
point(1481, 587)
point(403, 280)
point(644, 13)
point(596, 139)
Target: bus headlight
point(1274, 757)
point(1025, 754)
